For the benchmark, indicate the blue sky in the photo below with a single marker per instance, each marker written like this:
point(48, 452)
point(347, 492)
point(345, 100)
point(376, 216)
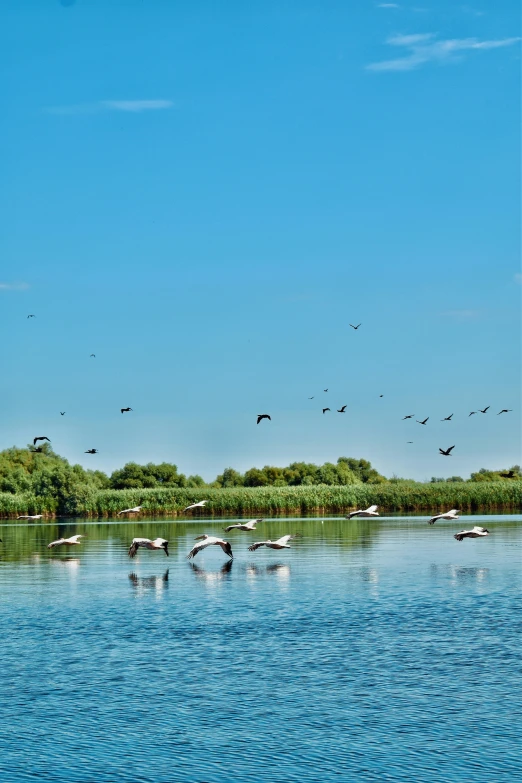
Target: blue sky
point(205, 197)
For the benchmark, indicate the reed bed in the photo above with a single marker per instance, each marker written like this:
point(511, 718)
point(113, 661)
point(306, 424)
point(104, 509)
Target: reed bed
point(269, 501)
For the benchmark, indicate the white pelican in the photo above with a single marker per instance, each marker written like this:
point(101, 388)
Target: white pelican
point(243, 525)
point(475, 532)
point(67, 541)
point(281, 543)
point(29, 516)
point(369, 512)
point(453, 514)
point(158, 543)
point(135, 510)
point(201, 504)
point(209, 541)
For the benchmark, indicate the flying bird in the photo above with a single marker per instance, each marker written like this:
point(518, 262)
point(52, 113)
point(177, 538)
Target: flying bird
point(135, 510)
point(453, 514)
point(409, 417)
point(422, 422)
point(125, 410)
point(341, 410)
point(42, 437)
point(62, 413)
point(72, 541)
point(92, 356)
point(146, 543)
point(281, 543)
point(355, 327)
point(210, 541)
point(472, 413)
point(447, 452)
point(325, 390)
point(30, 516)
point(310, 398)
point(504, 410)
point(31, 316)
point(91, 451)
point(261, 416)
point(325, 409)
point(475, 532)
point(485, 409)
point(371, 511)
point(201, 504)
point(448, 418)
point(409, 441)
point(243, 525)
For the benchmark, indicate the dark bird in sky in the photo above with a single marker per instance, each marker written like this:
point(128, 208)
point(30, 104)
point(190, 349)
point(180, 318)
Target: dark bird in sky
point(504, 410)
point(261, 416)
point(448, 418)
point(124, 410)
point(422, 422)
point(341, 410)
point(381, 395)
point(355, 327)
point(409, 441)
point(325, 409)
point(42, 437)
point(310, 398)
point(325, 390)
point(31, 316)
point(62, 413)
point(485, 409)
point(472, 413)
point(409, 417)
point(92, 356)
point(447, 452)
point(91, 451)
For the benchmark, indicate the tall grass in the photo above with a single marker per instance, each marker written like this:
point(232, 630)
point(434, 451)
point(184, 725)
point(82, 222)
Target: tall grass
point(269, 501)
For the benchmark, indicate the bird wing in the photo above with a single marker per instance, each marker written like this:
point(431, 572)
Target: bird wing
point(450, 449)
point(227, 549)
point(452, 511)
point(283, 540)
point(134, 548)
point(253, 547)
point(74, 539)
point(371, 509)
point(195, 549)
point(230, 527)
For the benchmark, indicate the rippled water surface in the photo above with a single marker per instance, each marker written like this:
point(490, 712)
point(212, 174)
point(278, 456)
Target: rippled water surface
point(378, 650)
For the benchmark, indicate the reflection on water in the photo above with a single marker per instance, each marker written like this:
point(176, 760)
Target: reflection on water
point(350, 657)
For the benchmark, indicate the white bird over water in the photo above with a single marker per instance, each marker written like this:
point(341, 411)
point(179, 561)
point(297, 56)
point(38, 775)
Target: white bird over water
point(201, 504)
point(281, 543)
point(29, 516)
point(135, 510)
point(67, 541)
point(210, 541)
point(453, 514)
point(369, 512)
point(243, 525)
point(476, 532)
point(158, 543)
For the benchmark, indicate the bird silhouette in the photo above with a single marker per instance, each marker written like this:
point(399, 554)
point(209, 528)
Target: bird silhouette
point(325, 390)
point(485, 409)
point(341, 410)
point(504, 410)
point(310, 398)
point(325, 409)
point(92, 356)
point(261, 416)
point(381, 395)
point(408, 417)
point(91, 451)
point(124, 410)
point(62, 413)
point(355, 327)
point(448, 418)
point(472, 413)
point(422, 422)
point(447, 452)
point(42, 437)
point(409, 441)
point(31, 316)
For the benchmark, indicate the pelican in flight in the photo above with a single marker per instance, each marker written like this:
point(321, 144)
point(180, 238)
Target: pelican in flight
point(135, 510)
point(243, 525)
point(42, 437)
point(91, 451)
point(210, 541)
point(453, 514)
point(261, 416)
point(125, 410)
point(201, 504)
point(72, 541)
point(446, 452)
point(281, 543)
point(30, 516)
point(422, 422)
point(368, 512)
point(475, 532)
point(158, 543)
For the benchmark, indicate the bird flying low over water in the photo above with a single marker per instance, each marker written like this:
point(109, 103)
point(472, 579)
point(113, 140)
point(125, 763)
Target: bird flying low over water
point(355, 327)
point(201, 504)
point(504, 410)
point(422, 422)
point(91, 451)
point(281, 543)
point(135, 510)
point(475, 532)
point(210, 541)
point(342, 409)
point(448, 418)
point(369, 512)
point(43, 437)
point(447, 452)
point(125, 410)
point(261, 416)
point(408, 417)
point(30, 516)
point(72, 541)
point(453, 514)
point(146, 543)
point(484, 410)
point(243, 525)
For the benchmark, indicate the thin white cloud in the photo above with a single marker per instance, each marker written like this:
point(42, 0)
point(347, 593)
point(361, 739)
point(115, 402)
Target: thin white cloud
point(425, 48)
point(388, 5)
point(100, 106)
point(13, 286)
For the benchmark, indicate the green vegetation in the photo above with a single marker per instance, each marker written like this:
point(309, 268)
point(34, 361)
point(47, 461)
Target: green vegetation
point(44, 483)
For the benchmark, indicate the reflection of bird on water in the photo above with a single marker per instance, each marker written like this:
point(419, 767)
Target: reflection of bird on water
point(368, 512)
point(149, 582)
point(281, 543)
point(251, 525)
point(452, 514)
point(212, 576)
point(146, 543)
point(475, 532)
point(279, 569)
point(210, 541)
point(71, 541)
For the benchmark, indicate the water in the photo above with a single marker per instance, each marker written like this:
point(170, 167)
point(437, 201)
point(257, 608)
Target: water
point(379, 650)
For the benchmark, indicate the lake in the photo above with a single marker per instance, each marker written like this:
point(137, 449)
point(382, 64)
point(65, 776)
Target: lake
point(372, 650)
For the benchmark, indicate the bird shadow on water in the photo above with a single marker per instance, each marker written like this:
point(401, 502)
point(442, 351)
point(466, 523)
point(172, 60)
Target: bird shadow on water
point(281, 570)
point(143, 583)
point(212, 576)
point(460, 573)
